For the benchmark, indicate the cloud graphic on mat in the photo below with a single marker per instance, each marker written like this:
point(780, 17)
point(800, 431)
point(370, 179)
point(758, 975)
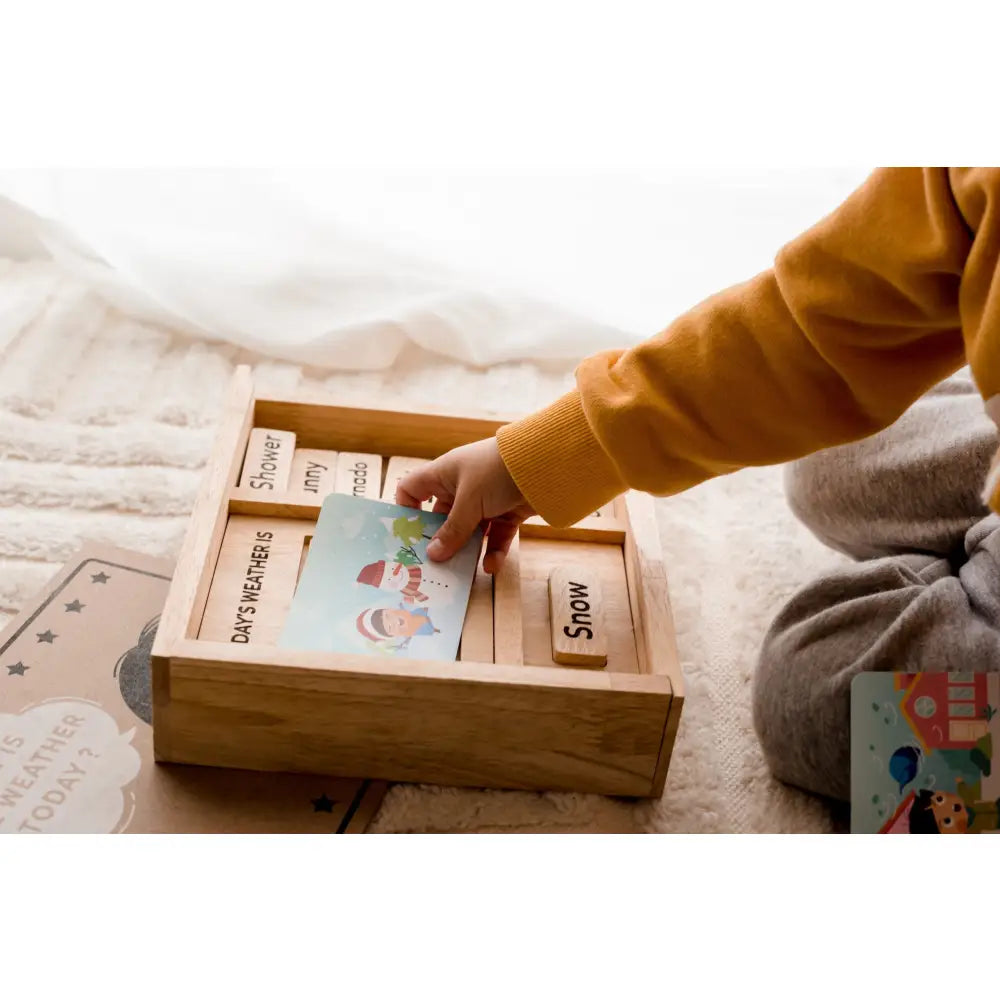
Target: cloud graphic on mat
point(78, 788)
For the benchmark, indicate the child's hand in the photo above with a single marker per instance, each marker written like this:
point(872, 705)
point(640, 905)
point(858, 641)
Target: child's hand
point(472, 485)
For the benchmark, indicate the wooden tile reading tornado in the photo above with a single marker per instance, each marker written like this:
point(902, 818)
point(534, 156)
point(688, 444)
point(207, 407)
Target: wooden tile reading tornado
point(358, 475)
point(313, 471)
point(268, 460)
point(578, 636)
point(399, 466)
point(254, 579)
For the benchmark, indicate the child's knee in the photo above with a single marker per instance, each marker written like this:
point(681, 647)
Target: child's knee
point(807, 490)
point(873, 616)
point(801, 712)
point(817, 490)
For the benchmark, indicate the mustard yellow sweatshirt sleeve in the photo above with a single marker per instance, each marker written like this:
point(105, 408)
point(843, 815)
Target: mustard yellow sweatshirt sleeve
point(858, 317)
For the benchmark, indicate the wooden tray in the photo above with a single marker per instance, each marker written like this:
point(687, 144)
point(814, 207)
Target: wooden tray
point(503, 715)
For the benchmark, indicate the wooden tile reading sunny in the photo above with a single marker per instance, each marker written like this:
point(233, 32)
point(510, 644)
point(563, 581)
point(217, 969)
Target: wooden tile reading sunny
point(399, 466)
point(358, 474)
point(254, 579)
point(578, 637)
point(268, 460)
point(313, 471)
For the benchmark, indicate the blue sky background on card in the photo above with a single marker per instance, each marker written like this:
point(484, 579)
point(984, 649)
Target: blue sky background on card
point(352, 533)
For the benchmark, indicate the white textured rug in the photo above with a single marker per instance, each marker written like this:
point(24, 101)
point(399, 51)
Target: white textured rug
point(104, 427)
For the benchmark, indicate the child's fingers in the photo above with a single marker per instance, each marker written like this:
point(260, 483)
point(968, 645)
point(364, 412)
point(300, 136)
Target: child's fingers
point(463, 519)
point(417, 486)
point(493, 562)
point(498, 540)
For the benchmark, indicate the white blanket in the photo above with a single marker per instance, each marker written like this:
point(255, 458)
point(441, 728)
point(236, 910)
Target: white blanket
point(340, 269)
point(231, 257)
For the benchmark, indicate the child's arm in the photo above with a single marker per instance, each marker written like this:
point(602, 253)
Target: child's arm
point(858, 317)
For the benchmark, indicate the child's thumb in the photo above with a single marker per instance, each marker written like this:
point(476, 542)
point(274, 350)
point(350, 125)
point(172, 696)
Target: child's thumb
point(463, 519)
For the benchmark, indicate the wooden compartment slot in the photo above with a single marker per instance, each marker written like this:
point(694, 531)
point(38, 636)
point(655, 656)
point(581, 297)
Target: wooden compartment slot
point(477, 632)
point(508, 628)
point(606, 564)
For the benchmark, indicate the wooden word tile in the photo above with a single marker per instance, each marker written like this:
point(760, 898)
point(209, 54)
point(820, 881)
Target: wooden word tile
point(358, 474)
point(313, 471)
point(578, 637)
point(399, 466)
point(254, 579)
point(268, 460)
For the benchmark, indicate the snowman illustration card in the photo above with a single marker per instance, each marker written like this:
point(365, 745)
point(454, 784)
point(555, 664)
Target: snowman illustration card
point(922, 753)
point(368, 587)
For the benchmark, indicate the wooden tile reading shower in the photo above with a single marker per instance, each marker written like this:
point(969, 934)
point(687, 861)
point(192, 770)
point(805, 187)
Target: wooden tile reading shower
point(268, 460)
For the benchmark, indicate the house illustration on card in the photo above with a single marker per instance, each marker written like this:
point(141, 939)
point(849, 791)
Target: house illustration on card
point(946, 711)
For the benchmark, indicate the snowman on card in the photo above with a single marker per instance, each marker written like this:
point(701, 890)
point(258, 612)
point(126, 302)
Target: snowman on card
point(368, 586)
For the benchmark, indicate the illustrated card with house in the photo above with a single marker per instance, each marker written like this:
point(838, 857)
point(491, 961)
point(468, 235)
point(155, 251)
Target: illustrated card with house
point(922, 753)
point(368, 587)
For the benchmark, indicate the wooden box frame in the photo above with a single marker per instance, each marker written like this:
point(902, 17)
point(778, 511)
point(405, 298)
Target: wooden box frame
point(498, 724)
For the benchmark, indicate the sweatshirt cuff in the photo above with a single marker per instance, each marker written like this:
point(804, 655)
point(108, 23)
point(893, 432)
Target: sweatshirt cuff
point(557, 462)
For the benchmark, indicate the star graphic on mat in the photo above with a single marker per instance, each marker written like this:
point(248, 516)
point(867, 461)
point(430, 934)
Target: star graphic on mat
point(17, 668)
point(323, 804)
point(47, 636)
point(99, 577)
point(75, 606)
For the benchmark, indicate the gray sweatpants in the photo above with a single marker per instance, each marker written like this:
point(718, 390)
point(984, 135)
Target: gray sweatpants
point(924, 593)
